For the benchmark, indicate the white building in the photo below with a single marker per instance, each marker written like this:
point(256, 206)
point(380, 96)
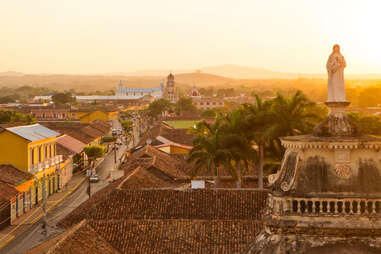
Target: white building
point(137, 93)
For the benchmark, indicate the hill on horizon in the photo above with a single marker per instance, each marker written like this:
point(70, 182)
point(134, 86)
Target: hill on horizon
point(230, 71)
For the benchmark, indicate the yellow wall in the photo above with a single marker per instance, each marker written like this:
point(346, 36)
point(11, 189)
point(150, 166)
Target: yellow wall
point(174, 149)
point(44, 144)
point(113, 115)
point(13, 150)
point(179, 150)
point(92, 116)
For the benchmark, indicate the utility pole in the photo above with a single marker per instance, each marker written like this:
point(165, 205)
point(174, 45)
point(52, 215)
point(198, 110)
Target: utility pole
point(114, 153)
point(88, 172)
point(45, 220)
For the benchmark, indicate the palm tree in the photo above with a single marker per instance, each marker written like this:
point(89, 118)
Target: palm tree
point(259, 121)
point(293, 116)
point(237, 142)
point(207, 150)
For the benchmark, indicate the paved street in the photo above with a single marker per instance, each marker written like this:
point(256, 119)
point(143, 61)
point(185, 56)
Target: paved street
point(33, 235)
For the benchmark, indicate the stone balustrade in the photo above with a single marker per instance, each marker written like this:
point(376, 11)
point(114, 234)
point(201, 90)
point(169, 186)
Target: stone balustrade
point(325, 206)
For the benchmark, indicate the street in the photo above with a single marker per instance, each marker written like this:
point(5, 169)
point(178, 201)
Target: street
point(34, 235)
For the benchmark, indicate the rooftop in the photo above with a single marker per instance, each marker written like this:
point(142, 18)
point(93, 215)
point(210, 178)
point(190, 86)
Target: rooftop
point(167, 221)
point(179, 136)
point(71, 143)
point(33, 132)
point(14, 176)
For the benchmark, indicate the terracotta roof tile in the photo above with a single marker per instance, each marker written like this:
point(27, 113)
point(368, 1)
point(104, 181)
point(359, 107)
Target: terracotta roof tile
point(180, 136)
point(204, 204)
point(149, 156)
point(7, 191)
point(70, 143)
point(178, 236)
point(82, 132)
point(12, 175)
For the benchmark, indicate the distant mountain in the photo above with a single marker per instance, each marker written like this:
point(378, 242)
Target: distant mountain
point(11, 74)
point(243, 72)
point(201, 79)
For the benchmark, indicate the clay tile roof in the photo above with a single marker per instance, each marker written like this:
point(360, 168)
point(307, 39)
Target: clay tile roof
point(77, 130)
point(14, 176)
point(172, 204)
point(179, 136)
point(7, 191)
point(149, 157)
point(92, 131)
point(81, 238)
point(178, 236)
point(101, 126)
point(71, 143)
point(143, 177)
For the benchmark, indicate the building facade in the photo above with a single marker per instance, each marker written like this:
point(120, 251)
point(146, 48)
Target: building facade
point(137, 93)
point(32, 148)
point(170, 90)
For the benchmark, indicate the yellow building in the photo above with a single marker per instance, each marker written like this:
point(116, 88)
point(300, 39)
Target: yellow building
point(92, 116)
point(32, 148)
point(88, 117)
point(174, 148)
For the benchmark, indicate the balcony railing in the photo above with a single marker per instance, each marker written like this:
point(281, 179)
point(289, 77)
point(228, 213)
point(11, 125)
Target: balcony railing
point(35, 168)
point(326, 206)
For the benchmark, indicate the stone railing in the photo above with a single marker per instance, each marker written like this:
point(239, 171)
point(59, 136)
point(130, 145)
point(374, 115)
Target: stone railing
point(46, 164)
point(325, 206)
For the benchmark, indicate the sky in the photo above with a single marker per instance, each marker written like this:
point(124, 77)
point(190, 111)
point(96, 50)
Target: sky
point(103, 36)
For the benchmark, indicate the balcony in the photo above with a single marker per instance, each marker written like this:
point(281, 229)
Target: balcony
point(35, 168)
point(326, 206)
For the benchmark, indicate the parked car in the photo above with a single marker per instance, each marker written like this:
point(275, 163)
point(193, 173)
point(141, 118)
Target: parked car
point(113, 132)
point(94, 178)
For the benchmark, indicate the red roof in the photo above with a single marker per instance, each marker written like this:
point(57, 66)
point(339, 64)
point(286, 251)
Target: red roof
point(70, 143)
point(7, 192)
point(14, 176)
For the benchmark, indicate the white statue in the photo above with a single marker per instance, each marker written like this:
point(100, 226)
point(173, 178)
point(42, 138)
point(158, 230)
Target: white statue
point(335, 67)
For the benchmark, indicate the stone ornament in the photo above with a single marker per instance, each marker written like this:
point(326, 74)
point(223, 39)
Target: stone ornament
point(343, 171)
point(342, 156)
point(284, 186)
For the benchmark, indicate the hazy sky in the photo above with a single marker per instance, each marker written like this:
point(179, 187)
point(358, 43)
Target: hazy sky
point(98, 36)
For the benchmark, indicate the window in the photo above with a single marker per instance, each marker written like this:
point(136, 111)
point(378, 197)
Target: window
point(31, 156)
point(207, 103)
point(214, 103)
point(50, 150)
point(39, 154)
point(46, 152)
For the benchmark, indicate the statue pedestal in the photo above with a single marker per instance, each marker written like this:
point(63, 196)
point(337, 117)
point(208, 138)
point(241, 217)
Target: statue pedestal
point(337, 124)
point(327, 192)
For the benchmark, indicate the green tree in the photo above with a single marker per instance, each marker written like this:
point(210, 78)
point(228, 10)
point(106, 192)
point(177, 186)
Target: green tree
point(185, 105)
point(258, 123)
point(158, 107)
point(15, 117)
point(93, 152)
point(207, 151)
point(236, 140)
point(62, 98)
point(368, 124)
point(6, 99)
point(128, 127)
